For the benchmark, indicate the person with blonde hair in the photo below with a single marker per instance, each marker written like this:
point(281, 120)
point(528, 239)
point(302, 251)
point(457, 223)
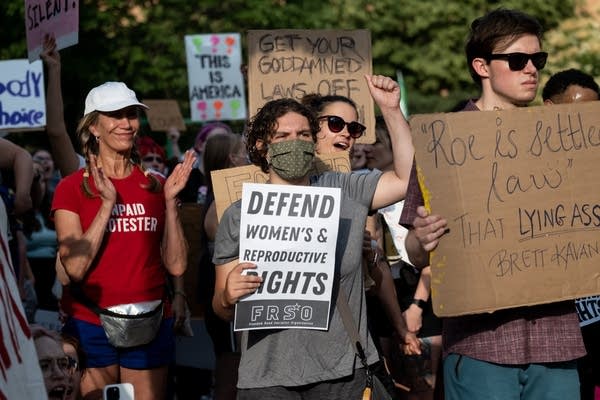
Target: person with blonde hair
point(119, 234)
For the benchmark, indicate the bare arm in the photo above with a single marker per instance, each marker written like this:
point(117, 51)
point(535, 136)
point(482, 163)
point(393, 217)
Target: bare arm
point(210, 222)
point(174, 245)
point(392, 184)
point(63, 152)
point(19, 160)
point(414, 314)
point(385, 289)
point(424, 237)
point(78, 249)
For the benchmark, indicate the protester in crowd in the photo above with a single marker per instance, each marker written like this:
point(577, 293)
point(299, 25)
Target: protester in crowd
point(18, 190)
point(224, 150)
point(21, 376)
point(207, 130)
point(336, 135)
point(570, 86)
point(415, 371)
point(196, 189)
point(172, 145)
point(74, 351)
point(38, 228)
point(358, 160)
point(64, 156)
point(56, 366)
point(114, 209)
point(518, 353)
point(153, 156)
point(289, 363)
point(575, 86)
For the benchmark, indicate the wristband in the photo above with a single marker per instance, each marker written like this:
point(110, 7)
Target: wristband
point(419, 303)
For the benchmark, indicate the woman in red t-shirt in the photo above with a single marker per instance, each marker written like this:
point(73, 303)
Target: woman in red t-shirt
point(119, 234)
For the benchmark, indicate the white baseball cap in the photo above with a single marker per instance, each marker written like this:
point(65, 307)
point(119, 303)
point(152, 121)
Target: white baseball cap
point(111, 96)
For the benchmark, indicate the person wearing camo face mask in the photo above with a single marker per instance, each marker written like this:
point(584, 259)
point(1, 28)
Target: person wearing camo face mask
point(281, 139)
point(292, 159)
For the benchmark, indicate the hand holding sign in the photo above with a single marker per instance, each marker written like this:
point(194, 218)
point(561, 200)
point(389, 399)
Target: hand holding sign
point(241, 282)
point(429, 228)
point(50, 54)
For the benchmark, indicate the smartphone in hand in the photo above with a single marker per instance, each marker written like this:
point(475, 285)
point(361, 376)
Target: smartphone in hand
point(118, 391)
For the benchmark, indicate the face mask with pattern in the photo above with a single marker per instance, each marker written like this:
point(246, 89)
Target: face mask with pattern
point(291, 159)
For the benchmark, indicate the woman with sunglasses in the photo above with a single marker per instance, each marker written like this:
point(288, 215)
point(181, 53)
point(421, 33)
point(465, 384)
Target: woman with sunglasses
point(521, 353)
point(338, 122)
point(339, 130)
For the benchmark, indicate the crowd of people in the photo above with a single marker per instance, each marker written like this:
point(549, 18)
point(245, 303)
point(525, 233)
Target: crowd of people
point(96, 236)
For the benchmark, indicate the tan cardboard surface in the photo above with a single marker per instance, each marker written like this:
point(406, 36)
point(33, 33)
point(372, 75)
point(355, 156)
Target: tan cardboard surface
point(164, 114)
point(519, 189)
point(227, 183)
point(292, 63)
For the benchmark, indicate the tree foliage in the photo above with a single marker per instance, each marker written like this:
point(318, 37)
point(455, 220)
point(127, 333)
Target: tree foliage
point(141, 42)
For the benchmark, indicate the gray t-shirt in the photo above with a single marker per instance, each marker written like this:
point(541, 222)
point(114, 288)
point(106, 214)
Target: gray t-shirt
point(295, 357)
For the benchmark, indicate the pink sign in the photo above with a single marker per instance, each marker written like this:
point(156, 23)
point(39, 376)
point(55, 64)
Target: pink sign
point(59, 17)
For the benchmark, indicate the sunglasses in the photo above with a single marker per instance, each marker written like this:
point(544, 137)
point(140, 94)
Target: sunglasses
point(518, 61)
point(152, 159)
point(337, 124)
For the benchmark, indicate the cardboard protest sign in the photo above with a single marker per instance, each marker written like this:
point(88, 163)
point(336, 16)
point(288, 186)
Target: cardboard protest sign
point(58, 17)
point(227, 183)
point(290, 63)
point(289, 232)
point(215, 80)
point(164, 114)
point(22, 96)
point(518, 189)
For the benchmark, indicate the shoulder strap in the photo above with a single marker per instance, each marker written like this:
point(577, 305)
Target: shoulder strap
point(348, 320)
point(78, 295)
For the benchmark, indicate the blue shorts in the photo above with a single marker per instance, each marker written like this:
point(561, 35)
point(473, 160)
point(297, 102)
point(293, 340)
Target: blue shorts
point(100, 353)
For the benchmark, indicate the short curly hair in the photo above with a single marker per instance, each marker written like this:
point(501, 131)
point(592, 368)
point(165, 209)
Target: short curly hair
point(264, 125)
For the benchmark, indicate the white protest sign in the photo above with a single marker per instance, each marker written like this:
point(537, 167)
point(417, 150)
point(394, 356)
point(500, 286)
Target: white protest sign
point(290, 233)
point(588, 310)
point(22, 98)
point(215, 80)
point(58, 17)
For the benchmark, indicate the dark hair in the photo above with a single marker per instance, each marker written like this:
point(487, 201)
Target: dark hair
point(73, 341)
point(500, 26)
point(264, 124)
point(559, 82)
point(216, 153)
point(317, 103)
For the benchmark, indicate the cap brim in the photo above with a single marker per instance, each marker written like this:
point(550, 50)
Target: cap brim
point(117, 106)
point(120, 105)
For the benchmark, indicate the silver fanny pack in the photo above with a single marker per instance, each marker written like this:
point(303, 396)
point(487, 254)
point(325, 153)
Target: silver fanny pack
point(130, 325)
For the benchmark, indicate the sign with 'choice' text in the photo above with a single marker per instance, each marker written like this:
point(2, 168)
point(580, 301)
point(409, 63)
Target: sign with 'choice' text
point(290, 233)
point(22, 98)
